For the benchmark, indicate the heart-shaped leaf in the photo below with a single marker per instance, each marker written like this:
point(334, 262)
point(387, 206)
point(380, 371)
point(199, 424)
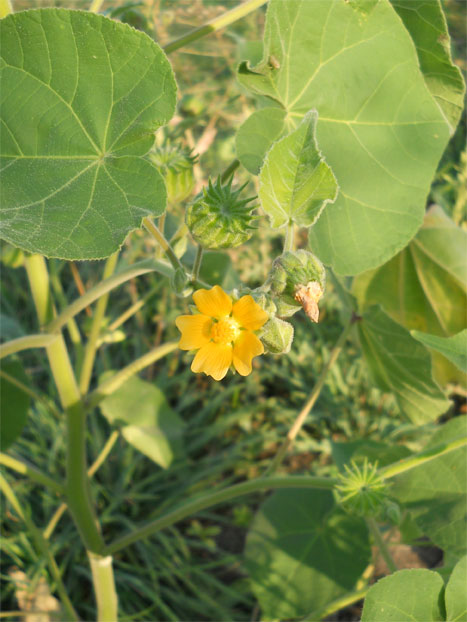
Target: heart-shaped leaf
point(453, 348)
point(379, 127)
point(302, 552)
point(456, 594)
point(82, 98)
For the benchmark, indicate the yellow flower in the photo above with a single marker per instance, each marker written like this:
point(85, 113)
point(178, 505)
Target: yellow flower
point(222, 332)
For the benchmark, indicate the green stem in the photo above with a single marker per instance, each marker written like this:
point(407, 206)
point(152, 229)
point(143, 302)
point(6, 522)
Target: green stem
point(336, 605)
point(381, 544)
point(229, 170)
point(289, 242)
point(91, 471)
point(31, 472)
point(104, 583)
point(116, 381)
point(215, 24)
point(134, 308)
point(216, 497)
point(160, 239)
point(425, 456)
point(197, 263)
point(97, 319)
point(315, 393)
point(25, 343)
point(137, 269)
point(35, 396)
point(77, 490)
point(41, 546)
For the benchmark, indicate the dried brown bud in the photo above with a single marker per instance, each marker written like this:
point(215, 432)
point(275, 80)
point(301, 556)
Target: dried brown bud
point(308, 296)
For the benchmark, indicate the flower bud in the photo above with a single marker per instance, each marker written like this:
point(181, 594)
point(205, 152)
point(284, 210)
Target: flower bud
point(277, 336)
point(180, 283)
point(219, 219)
point(297, 279)
point(392, 512)
point(176, 164)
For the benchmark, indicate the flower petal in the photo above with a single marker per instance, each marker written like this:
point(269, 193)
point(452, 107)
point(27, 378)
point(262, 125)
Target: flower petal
point(195, 329)
point(248, 313)
point(213, 302)
point(214, 359)
point(245, 349)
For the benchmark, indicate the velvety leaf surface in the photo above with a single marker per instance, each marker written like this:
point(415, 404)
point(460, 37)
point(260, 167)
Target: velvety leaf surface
point(399, 364)
point(82, 98)
point(302, 552)
point(405, 596)
point(256, 135)
point(295, 183)
point(456, 593)
point(14, 403)
point(426, 23)
point(424, 287)
point(453, 348)
point(146, 420)
point(374, 451)
point(436, 492)
point(379, 128)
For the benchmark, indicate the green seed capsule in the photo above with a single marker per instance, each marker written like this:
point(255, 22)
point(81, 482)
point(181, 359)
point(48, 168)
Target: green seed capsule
point(176, 164)
point(219, 219)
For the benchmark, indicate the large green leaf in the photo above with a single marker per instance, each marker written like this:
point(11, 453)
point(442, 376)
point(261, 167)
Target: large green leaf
point(14, 403)
point(405, 596)
point(424, 287)
point(145, 419)
point(256, 135)
point(456, 593)
point(295, 183)
point(302, 552)
point(398, 363)
point(425, 21)
point(82, 98)
point(436, 492)
point(453, 348)
point(379, 128)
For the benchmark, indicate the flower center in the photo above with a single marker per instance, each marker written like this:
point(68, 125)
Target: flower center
point(225, 331)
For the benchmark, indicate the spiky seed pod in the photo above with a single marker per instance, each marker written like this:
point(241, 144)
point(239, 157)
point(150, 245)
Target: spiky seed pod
point(297, 279)
point(361, 490)
point(219, 218)
point(176, 164)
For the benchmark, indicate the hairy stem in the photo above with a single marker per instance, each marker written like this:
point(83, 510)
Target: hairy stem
point(336, 605)
point(198, 260)
point(216, 497)
point(92, 469)
point(91, 345)
point(315, 393)
point(163, 243)
point(381, 544)
point(289, 242)
point(215, 24)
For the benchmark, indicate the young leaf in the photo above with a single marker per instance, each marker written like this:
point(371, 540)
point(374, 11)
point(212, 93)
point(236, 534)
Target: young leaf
point(146, 420)
point(427, 26)
point(379, 128)
point(405, 596)
point(424, 287)
point(399, 364)
point(453, 348)
point(435, 492)
point(456, 593)
point(302, 553)
point(14, 403)
point(295, 181)
point(83, 96)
